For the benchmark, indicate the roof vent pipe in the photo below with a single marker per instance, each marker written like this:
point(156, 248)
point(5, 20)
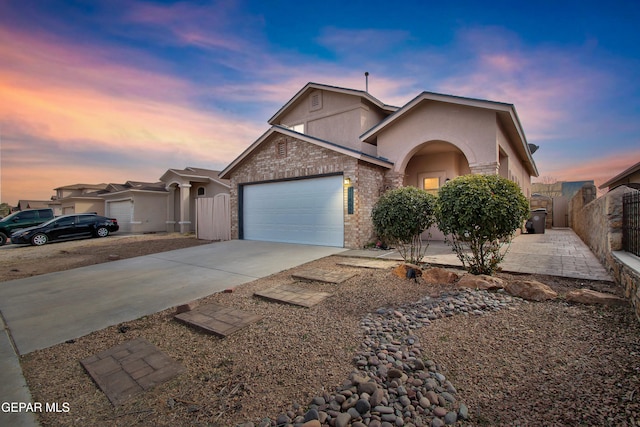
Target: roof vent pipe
point(366, 81)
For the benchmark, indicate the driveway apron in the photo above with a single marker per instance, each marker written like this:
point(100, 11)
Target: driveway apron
point(45, 310)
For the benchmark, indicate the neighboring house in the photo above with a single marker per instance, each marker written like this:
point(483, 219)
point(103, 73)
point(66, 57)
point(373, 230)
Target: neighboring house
point(330, 153)
point(143, 207)
point(32, 204)
point(185, 186)
point(80, 198)
point(629, 177)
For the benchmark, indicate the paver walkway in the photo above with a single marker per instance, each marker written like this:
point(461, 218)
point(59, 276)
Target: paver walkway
point(128, 369)
point(295, 295)
point(325, 276)
point(557, 252)
point(218, 319)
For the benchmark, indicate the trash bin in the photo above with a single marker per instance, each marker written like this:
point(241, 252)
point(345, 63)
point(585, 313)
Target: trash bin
point(536, 223)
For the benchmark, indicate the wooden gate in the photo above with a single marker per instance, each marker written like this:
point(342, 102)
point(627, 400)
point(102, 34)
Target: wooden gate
point(213, 217)
point(560, 211)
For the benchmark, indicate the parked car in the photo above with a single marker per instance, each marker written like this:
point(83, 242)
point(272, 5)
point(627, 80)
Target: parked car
point(22, 219)
point(67, 227)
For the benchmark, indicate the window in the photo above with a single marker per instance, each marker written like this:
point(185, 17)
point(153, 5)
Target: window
point(200, 191)
point(431, 185)
point(26, 215)
point(281, 149)
point(298, 128)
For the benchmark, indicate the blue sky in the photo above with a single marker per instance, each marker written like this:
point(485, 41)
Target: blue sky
point(109, 91)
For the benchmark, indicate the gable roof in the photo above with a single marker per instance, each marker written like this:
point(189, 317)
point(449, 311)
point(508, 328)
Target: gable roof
point(309, 87)
point(633, 169)
point(196, 174)
point(507, 112)
point(310, 139)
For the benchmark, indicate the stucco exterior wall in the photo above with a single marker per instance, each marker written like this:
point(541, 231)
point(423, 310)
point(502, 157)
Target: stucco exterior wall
point(306, 160)
point(341, 118)
point(149, 212)
point(446, 165)
point(85, 206)
point(471, 130)
point(516, 170)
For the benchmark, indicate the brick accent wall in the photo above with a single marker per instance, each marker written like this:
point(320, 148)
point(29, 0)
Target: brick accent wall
point(272, 161)
point(485, 168)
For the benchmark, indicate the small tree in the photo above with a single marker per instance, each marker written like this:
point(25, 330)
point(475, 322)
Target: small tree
point(479, 214)
point(400, 217)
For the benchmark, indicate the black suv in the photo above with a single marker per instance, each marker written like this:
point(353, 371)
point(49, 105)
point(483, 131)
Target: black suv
point(22, 219)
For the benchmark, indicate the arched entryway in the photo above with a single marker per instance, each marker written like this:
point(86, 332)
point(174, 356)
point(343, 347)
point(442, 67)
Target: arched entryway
point(431, 165)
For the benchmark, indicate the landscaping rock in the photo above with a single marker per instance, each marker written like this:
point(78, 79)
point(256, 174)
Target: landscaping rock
point(402, 269)
point(437, 275)
point(588, 296)
point(481, 281)
point(531, 290)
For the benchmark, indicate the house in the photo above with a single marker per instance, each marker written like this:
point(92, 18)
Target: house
point(315, 175)
point(168, 205)
point(629, 177)
point(32, 204)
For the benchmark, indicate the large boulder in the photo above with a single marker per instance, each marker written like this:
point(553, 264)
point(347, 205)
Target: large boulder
point(403, 269)
point(481, 281)
point(437, 275)
point(588, 296)
point(531, 290)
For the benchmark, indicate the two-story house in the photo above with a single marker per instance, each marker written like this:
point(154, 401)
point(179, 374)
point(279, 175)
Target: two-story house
point(316, 174)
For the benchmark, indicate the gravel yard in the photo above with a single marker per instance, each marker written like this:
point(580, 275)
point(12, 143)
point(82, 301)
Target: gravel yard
point(528, 363)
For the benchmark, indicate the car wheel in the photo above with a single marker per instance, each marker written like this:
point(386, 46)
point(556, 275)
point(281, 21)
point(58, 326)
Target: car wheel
point(3, 239)
point(102, 232)
point(39, 239)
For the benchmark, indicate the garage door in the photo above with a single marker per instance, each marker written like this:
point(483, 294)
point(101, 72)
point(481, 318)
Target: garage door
point(123, 212)
point(307, 211)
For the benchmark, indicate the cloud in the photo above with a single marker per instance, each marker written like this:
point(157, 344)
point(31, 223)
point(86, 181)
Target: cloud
point(361, 42)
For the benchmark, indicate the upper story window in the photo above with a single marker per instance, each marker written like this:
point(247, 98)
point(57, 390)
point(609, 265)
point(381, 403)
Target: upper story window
point(201, 191)
point(298, 128)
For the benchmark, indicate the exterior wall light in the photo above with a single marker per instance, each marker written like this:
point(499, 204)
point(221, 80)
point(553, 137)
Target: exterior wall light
point(347, 181)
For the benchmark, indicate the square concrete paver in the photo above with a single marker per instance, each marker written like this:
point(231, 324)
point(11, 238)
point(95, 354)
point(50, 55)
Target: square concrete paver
point(130, 368)
point(369, 263)
point(218, 319)
point(325, 276)
point(295, 295)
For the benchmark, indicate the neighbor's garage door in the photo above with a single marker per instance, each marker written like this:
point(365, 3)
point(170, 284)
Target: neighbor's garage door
point(307, 211)
point(123, 212)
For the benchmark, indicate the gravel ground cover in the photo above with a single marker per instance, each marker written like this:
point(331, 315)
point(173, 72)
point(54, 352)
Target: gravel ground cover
point(550, 363)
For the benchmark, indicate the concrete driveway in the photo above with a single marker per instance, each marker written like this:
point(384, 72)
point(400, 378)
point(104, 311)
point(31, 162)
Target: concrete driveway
point(45, 310)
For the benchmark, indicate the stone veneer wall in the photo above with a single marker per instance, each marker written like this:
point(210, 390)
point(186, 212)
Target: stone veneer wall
point(598, 222)
point(304, 159)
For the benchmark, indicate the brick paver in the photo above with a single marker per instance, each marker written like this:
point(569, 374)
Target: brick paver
point(368, 263)
point(130, 368)
point(295, 295)
point(325, 276)
point(218, 319)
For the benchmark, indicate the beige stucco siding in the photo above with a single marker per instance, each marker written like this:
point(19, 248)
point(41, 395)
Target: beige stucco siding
point(515, 170)
point(149, 212)
point(471, 130)
point(445, 165)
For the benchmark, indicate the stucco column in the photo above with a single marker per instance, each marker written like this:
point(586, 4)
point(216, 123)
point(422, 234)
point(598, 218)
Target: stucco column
point(171, 201)
point(185, 218)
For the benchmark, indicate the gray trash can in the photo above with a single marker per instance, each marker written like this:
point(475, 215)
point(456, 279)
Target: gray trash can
point(537, 221)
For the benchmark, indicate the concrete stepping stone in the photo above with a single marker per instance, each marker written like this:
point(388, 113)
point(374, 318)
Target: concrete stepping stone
point(130, 368)
point(295, 295)
point(325, 276)
point(217, 319)
point(369, 263)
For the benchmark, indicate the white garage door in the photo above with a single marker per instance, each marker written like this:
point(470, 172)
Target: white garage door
point(306, 211)
point(123, 212)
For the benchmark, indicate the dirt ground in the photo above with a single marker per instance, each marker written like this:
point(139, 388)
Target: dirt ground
point(550, 364)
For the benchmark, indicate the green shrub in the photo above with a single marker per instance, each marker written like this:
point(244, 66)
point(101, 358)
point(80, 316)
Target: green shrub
point(479, 214)
point(400, 216)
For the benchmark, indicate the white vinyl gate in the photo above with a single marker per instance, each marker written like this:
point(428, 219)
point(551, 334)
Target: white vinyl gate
point(306, 211)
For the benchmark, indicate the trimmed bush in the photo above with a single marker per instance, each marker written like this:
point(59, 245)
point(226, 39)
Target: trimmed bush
point(479, 215)
point(400, 216)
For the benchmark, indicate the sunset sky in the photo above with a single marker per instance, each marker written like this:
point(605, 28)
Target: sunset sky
point(115, 90)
